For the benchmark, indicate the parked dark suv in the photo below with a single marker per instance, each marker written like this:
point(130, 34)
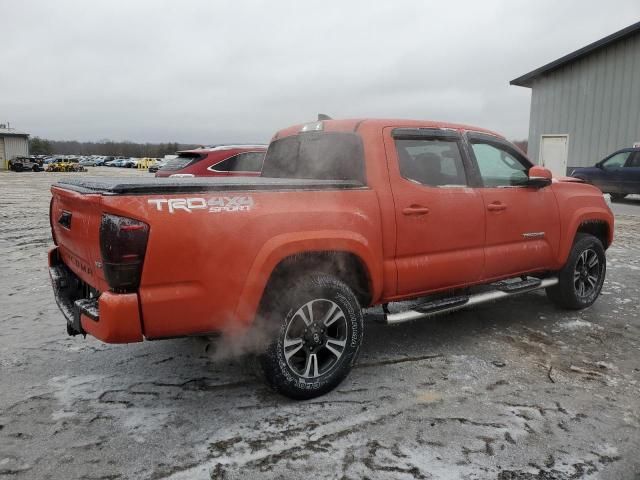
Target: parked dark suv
point(618, 174)
point(25, 164)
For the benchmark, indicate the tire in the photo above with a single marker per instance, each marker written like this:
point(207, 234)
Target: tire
point(616, 197)
point(582, 277)
point(311, 351)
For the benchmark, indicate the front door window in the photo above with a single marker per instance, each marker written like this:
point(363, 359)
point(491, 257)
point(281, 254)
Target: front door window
point(498, 167)
point(617, 161)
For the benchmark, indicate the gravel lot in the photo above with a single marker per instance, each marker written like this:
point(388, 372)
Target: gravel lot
point(511, 390)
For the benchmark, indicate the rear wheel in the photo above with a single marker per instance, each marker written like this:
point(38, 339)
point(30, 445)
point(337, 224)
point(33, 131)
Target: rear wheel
point(582, 277)
point(319, 333)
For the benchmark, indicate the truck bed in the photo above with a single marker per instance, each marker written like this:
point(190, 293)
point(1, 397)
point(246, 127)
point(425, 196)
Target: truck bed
point(150, 186)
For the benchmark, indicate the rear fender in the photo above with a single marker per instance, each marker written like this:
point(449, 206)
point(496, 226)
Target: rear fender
point(286, 245)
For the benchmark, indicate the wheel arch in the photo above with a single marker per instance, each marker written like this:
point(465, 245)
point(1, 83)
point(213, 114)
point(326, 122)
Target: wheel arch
point(597, 228)
point(345, 265)
point(344, 254)
point(596, 222)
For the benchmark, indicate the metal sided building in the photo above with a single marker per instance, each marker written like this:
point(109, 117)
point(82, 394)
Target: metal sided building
point(12, 144)
point(585, 105)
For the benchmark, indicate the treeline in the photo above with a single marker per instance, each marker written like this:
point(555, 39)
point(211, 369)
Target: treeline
point(42, 146)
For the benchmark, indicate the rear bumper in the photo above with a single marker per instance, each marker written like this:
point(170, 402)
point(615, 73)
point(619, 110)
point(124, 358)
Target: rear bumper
point(110, 317)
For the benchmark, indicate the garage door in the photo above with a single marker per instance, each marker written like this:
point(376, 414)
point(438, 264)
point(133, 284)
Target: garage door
point(553, 153)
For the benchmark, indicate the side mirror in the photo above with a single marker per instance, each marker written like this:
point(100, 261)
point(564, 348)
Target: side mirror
point(539, 177)
point(600, 165)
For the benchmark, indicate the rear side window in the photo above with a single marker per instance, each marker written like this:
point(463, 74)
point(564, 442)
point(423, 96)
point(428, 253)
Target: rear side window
point(431, 162)
point(319, 156)
point(243, 162)
point(183, 160)
point(499, 167)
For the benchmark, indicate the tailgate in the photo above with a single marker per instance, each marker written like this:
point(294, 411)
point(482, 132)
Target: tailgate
point(75, 221)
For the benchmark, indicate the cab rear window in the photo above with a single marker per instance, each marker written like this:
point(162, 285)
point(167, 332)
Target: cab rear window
point(318, 156)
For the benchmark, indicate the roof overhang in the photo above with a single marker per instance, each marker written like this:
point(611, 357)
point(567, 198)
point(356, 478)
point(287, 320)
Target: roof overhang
point(14, 134)
point(527, 79)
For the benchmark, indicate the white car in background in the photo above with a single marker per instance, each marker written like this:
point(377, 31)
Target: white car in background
point(131, 162)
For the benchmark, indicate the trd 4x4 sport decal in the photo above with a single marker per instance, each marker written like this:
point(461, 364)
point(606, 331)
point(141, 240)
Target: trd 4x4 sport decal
point(212, 204)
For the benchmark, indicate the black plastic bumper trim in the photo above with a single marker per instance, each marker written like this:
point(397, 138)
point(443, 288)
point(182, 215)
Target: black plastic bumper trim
point(66, 292)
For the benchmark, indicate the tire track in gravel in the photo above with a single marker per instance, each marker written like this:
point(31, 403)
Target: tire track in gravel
point(299, 440)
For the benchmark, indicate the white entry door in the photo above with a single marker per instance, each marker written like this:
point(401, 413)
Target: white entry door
point(3, 164)
point(554, 150)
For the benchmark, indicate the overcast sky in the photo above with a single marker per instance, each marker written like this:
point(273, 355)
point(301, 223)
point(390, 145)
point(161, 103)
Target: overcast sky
point(214, 71)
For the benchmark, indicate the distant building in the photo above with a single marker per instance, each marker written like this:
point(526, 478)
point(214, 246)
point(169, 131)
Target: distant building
point(585, 105)
point(12, 144)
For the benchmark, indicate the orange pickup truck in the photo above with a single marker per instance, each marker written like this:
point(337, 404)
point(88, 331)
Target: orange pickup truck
point(346, 214)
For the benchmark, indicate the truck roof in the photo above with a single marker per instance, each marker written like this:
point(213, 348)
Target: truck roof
point(354, 124)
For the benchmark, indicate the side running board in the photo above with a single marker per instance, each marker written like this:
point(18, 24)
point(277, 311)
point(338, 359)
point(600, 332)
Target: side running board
point(499, 290)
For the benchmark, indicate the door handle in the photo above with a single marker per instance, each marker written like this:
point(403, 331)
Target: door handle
point(415, 210)
point(496, 207)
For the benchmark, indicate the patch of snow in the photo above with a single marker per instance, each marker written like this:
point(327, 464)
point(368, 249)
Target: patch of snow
point(623, 301)
point(607, 365)
point(608, 450)
point(576, 324)
point(61, 415)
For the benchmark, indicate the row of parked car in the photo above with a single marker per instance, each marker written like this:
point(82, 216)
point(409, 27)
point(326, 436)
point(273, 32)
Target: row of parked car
point(69, 163)
point(214, 161)
point(122, 162)
point(38, 164)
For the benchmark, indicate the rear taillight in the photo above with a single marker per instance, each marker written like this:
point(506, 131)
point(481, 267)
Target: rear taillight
point(123, 243)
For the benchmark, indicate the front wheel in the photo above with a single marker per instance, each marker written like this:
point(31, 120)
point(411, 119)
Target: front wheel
point(319, 333)
point(582, 277)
